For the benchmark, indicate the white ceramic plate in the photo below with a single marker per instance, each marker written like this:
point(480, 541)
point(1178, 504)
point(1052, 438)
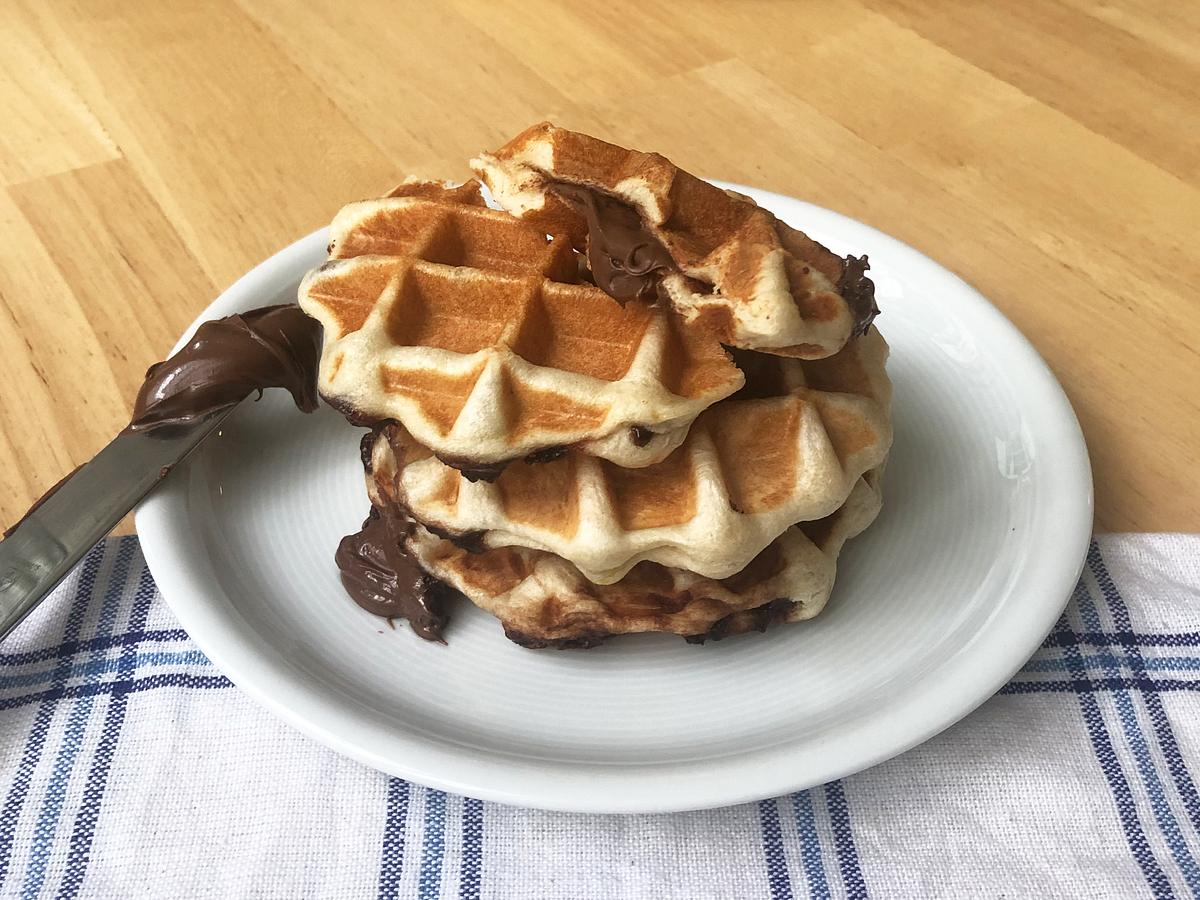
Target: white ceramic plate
point(986, 519)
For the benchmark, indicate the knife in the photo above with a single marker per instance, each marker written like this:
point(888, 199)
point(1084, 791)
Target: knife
point(44, 546)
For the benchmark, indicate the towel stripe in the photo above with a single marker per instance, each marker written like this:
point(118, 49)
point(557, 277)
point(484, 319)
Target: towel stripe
point(1110, 766)
point(1095, 685)
point(68, 751)
point(1163, 731)
point(1147, 769)
point(105, 665)
point(70, 648)
point(810, 845)
point(110, 735)
point(1107, 660)
point(391, 865)
point(778, 876)
point(1123, 638)
point(471, 875)
point(433, 845)
point(119, 687)
point(843, 841)
point(10, 815)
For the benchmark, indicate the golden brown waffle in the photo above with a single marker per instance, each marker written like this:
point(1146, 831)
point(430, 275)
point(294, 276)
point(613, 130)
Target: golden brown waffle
point(750, 467)
point(543, 600)
point(468, 326)
point(430, 222)
point(738, 270)
point(467, 193)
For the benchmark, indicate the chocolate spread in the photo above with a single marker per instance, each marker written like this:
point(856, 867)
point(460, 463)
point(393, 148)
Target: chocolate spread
point(228, 359)
point(473, 470)
point(382, 578)
point(859, 292)
point(626, 259)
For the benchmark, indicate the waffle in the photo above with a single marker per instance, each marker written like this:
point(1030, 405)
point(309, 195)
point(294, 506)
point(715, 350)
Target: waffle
point(467, 193)
point(544, 601)
point(471, 329)
point(738, 270)
point(750, 467)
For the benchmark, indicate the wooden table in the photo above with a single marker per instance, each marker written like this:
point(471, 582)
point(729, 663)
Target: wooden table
point(1046, 151)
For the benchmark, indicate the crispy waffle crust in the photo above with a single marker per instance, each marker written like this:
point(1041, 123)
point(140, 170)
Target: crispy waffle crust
point(789, 449)
point(543, 601)
point(740, 272)
point(471, 329)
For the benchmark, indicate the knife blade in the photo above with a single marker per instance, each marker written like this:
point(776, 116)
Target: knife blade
point(44, 546)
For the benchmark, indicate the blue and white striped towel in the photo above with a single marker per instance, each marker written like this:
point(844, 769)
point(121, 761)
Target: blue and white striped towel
point(129, 767)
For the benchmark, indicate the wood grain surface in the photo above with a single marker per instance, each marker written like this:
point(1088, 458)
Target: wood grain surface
point(1047, 152)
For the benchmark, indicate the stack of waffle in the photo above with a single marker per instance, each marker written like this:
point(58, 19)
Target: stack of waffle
point(626, 401)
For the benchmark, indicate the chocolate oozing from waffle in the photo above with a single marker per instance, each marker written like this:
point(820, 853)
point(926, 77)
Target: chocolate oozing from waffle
point(226, 360)
point(384, 580)
point(473, 470)
point(626, 259)
point(859, 292)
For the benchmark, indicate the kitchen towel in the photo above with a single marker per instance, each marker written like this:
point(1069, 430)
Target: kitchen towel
point(130, 767)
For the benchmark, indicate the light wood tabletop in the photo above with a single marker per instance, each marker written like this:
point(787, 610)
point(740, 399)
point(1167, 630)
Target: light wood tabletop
point(1047, 152)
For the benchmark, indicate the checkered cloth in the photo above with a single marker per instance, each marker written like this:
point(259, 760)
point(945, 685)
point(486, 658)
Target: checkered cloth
point(130, 767)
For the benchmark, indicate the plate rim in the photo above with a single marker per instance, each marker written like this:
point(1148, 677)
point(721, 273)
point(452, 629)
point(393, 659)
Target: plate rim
point(286, 692)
